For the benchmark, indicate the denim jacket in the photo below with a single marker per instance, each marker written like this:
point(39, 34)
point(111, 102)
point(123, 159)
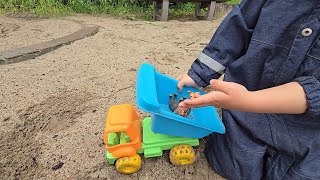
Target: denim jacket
point(262, 44)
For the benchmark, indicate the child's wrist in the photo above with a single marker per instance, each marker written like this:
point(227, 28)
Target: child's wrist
point(250, 104)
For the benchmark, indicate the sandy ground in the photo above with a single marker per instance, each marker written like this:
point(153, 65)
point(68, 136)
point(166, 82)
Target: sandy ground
point(53, 107)
point(16, 33)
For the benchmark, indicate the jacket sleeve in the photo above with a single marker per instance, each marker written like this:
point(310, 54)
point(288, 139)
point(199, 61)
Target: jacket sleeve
point(311, 86)
point(229, 42)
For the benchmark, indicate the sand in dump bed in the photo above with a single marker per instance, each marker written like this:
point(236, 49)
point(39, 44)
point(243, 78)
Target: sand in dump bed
point(53, 107)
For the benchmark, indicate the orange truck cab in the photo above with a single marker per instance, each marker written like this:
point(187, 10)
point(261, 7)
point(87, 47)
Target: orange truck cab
point(122, 132)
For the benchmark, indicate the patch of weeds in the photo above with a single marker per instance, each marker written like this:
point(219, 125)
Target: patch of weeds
point(234, 1)
point(40, 7)
point(182, 10)
point(129, 9)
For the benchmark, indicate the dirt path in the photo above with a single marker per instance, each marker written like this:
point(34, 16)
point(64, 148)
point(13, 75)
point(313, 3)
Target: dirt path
point(53, 107)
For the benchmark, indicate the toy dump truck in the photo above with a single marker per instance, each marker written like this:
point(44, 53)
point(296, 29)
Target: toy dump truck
point(126, 135)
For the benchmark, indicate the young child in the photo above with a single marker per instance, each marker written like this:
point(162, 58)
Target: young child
point(269, 51)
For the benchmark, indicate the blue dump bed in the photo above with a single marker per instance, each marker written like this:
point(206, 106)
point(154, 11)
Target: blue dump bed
point(152, 94)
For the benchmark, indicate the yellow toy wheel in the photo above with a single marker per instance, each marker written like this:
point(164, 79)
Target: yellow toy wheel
point(128, 165)
point(182, 155)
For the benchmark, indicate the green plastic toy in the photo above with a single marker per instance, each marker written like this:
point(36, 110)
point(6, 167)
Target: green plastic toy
point(153, 144)
point(126, 136)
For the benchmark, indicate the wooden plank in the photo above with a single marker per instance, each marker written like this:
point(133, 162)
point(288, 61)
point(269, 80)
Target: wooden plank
point(32, 51)
point(211, 8)
point(155, 10)
point(165, 10)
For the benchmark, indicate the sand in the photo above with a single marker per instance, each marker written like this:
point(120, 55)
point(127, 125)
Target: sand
point(53, 107)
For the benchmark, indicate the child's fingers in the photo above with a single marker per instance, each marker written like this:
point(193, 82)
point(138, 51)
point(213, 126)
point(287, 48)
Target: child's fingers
point(179, 77)
point(215, 98)
point(200, 101)
point(181, 84)
point(219, 85)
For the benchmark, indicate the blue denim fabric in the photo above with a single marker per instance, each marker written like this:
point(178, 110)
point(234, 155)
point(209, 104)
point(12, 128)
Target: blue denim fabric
point(262, 44)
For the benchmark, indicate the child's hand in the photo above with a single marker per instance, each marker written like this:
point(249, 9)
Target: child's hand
point(185, 80)
point(227, 95)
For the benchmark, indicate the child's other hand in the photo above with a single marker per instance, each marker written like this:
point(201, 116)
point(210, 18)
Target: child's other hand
point(226, 95)
point(185, 80)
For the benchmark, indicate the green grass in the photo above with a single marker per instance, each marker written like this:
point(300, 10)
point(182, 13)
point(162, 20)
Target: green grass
point(53, 8)
point(131, 9)
point(40, 7)
point(234, 1)
point(182, 10)
point(120, 8)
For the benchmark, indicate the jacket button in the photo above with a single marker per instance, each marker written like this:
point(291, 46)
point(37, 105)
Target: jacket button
point(306, 32)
